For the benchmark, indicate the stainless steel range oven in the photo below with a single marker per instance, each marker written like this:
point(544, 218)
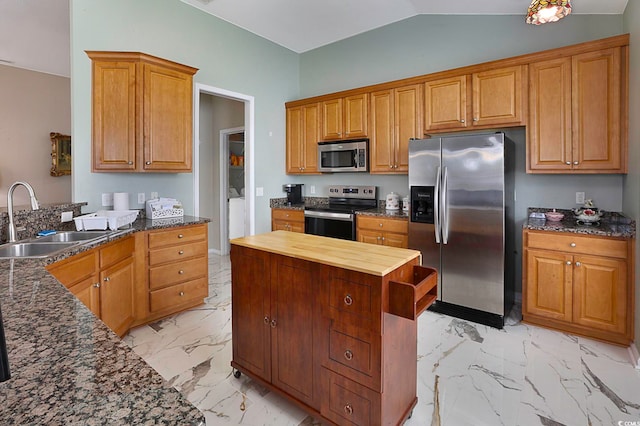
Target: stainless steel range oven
point(337, 219)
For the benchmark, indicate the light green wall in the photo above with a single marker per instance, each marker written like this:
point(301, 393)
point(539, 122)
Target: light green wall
point(632, 180)
point(429, 43)
point(227, 57)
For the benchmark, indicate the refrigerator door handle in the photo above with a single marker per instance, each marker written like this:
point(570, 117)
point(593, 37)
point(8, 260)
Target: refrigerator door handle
point(436, 207)
point(445, 208)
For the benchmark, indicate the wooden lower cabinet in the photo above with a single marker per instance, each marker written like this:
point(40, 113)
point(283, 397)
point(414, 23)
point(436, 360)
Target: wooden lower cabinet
point(176, 271)
point(103, 279)
point(140, 278)
point(382, 231)
point(322, 337)
point(287, 220)
point(578, 283)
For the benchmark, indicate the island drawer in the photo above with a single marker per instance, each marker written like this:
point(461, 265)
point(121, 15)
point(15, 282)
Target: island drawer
point(350, 297)
point(177, 236)
point(177, 253)
point(172, 273)
point(349, 402)
point(573, 243)
point(351, 351)
point(179, 294)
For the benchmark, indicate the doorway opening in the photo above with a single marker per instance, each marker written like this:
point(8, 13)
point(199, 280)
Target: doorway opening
point(218, 115)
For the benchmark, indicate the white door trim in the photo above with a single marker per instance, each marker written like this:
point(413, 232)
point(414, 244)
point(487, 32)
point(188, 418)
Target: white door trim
point(249, 132)
point(224, 188)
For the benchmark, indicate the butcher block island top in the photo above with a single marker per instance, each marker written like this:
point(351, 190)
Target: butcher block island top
point(352, 255)
point(330, 324)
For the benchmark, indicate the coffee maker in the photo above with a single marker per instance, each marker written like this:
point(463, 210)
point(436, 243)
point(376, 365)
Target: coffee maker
point(294, 193)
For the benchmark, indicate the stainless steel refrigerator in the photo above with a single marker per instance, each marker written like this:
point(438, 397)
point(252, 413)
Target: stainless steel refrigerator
point(461, 208)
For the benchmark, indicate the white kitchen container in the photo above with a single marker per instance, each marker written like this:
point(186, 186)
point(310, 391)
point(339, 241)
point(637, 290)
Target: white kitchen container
point(103, 219)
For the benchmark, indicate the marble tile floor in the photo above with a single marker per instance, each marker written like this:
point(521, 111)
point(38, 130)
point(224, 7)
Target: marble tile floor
point(468, 374)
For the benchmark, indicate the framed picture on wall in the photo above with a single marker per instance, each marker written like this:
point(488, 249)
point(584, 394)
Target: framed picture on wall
point(60, 154)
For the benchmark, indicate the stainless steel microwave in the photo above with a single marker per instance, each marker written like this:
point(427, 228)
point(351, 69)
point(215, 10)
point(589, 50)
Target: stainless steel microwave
point(344, 156)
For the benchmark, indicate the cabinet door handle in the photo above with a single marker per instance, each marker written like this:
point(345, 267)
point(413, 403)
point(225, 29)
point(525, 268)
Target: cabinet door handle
point(180, 272)
point(578, 263)
point(266, 319)
point(130, 162)
point(181, 293)
point(572, 244)
point(181, 252)
point(180, 236)
point(106, 279)
point(348, 409)
point(475, 119)
point(147, 162)
point(568, 263)
point(348, 355)
point(568, 163)
point(273, 323)
point(575, 162)
point(97, 285)
point(462, 121)
point(348, 300)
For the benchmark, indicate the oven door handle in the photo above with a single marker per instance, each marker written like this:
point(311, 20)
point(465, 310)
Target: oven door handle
point(347, 217)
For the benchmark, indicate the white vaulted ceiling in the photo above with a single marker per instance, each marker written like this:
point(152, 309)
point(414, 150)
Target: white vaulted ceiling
point(35, 33)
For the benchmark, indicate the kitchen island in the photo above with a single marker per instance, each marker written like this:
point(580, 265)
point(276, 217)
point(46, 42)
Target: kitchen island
point(67, 366)
point(330, 324)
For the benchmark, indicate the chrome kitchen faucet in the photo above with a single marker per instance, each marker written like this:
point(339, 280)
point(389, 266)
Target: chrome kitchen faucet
point(34, 206)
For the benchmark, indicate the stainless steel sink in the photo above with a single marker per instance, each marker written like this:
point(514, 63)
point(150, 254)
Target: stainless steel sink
point(73, 236)
point(33, 249)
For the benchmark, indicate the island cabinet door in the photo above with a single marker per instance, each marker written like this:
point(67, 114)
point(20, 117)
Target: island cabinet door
point(251, 316)
point(293, 316)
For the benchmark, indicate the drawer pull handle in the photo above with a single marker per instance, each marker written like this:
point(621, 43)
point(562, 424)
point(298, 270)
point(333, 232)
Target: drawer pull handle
point(568, 263)
point(182, 293)
point(273, 323)
point(106, 279)
point(348, 355)
point(348, 300)
point(348, 409)
point(266, 319)
point(572, 244)
point(181, 252)
point(180, 236)
point(180, 272)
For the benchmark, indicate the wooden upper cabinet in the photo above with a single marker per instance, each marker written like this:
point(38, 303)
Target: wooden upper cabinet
point(483, 99)
point(498, 97)
point(345, 118)
point(114, 130)
point(142, 113)
point(576, 124)
point(596, 84)
point(395, 118)
point(445, 105)
point(303, 127)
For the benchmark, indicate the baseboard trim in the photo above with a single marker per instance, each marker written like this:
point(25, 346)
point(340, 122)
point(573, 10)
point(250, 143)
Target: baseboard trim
point(635, 356)
point(214, 251)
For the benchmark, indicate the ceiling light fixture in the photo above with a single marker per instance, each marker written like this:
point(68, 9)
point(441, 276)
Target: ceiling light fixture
point(543, 11)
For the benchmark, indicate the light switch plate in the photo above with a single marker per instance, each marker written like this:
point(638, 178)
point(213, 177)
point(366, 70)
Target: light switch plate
point(66, 217)
point(140, 197)
point(259, 191)
point(579, 197)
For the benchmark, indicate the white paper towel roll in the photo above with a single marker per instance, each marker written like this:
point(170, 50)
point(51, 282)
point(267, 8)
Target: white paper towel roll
point(121, 201)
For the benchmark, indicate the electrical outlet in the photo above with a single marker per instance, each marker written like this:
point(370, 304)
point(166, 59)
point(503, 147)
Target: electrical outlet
point(66, 217)
point(154, 194)
point(141, 198)
point(107, 199)
point(579, 197)
point(312, 189)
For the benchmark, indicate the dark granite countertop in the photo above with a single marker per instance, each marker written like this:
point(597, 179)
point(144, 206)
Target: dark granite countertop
point(612, 224)
point(281, 203)
point(67, 367)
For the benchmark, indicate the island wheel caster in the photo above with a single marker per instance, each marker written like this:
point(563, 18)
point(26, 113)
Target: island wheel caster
point(237, 374)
